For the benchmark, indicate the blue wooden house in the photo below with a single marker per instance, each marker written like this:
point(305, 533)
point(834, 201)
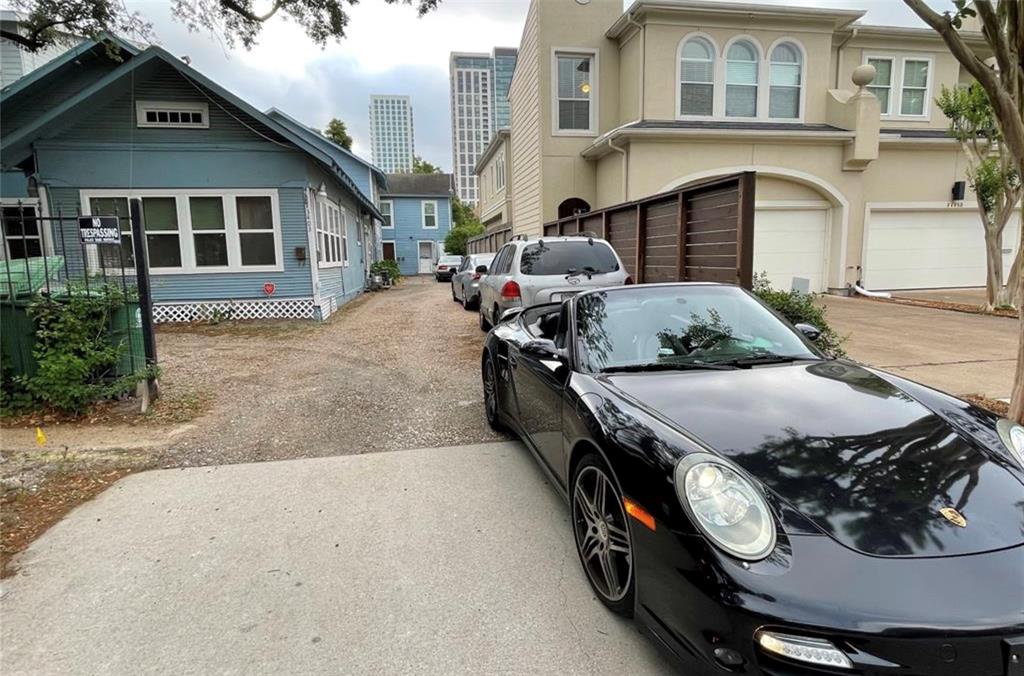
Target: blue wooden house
point(245, 213)
point(417, 212)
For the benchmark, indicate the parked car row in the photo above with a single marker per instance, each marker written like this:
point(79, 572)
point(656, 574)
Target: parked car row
point(720, 469)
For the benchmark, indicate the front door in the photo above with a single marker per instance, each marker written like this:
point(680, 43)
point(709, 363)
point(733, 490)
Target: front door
point(388, 249)
point(426, 257)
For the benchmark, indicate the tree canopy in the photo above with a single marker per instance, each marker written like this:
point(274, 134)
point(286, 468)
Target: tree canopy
point(465, 225)
point(337, 132)
point(421, 166)
point(51, 22)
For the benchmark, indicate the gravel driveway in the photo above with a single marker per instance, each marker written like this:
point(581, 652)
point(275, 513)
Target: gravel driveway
point(394, 370)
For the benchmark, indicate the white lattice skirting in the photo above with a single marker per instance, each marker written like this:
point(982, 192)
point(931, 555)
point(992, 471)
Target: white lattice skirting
point(290, 308)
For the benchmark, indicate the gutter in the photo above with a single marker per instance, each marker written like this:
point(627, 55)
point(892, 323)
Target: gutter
point(625, 168)
point(839, 53)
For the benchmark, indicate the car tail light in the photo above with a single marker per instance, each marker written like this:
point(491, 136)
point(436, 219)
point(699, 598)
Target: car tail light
point(442, 267)
point(510, 291)
point(476, 276)
point(629, 280)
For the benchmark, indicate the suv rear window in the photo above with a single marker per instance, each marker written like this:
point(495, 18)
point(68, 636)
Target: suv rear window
point(561, 258)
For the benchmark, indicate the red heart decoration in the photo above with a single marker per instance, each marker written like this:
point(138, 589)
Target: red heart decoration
point(269, 288)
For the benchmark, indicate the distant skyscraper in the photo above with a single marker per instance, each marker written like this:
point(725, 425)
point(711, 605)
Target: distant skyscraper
point(479, 99)
point(391, 132)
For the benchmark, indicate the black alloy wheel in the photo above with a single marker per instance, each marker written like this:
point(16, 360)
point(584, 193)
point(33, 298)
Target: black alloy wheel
point(602, 536)
point(490, 378)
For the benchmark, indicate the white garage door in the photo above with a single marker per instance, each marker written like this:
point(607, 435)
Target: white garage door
point(791, 243)
point(929, 249)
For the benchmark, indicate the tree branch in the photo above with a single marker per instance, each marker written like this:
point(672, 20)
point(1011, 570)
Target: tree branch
point(245, 13)
point(994, 35)
point(26, 42)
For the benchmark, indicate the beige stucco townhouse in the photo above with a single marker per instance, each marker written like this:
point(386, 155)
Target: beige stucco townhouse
point(853, 183)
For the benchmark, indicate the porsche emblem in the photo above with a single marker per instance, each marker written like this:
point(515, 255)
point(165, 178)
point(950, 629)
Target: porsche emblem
point(954, 517)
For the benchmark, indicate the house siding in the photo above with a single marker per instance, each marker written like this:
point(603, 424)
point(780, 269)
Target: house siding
point(293, 282)
point(409, 231)
point(524, 97)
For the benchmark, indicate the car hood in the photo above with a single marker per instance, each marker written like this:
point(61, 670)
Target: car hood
point(863, 460)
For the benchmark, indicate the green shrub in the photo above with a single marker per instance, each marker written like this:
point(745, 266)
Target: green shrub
point(76, 359)
point(455, 240)
point(797, 308)
point(390, 267)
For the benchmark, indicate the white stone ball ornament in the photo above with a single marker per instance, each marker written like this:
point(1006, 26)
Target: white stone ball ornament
point(863, 75)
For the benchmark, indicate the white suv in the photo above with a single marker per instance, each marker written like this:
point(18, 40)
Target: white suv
point(529, 272)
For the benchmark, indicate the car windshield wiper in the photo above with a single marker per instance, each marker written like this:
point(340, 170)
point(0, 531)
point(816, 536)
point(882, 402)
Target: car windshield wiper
point(587, 270)
point(667, 366)
point(758, 359)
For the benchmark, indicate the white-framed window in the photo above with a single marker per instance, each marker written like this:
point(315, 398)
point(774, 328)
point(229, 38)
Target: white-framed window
point(914, 90)
point(428, 211)
point(785, 73)
point(902, 84)
point(193, 231)
point(22, 223)
point(175, 114)
point(329, 227)
point(574, 86)
point(501, 173)
point(741, 78)
point(728, 84)
point(881, 86)
point(387, 210)
point(696, 77)
point(344, 236)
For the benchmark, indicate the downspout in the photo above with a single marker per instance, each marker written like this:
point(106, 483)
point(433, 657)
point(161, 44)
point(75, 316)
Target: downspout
point(643, 60)
point(839, 53)
point(625, 168)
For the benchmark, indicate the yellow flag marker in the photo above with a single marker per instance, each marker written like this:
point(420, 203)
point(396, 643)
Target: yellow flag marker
point(40, 437)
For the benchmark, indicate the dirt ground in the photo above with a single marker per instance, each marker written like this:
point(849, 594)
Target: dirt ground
point(392, 370)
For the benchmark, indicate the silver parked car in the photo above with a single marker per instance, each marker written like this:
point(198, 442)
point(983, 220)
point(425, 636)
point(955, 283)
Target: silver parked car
point(445, 267)
point(529, 272)
point(466, 280)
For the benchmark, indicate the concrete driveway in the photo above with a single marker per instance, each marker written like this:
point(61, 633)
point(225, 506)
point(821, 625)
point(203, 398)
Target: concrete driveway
point(439, 561)
point(956, 352)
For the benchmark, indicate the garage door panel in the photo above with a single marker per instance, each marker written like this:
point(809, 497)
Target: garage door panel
point(791, 243)
point(928, 249)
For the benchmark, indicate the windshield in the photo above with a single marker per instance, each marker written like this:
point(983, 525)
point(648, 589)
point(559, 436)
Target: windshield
point(683, 325)
point(450, 260)
point(563, 258)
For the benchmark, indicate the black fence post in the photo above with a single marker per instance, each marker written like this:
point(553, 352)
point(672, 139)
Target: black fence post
point(142, 282)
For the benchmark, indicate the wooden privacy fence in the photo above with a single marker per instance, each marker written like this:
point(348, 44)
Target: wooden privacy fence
point(489, 241)
point(701, 232)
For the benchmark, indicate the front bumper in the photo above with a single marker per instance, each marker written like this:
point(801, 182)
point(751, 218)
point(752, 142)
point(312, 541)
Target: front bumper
point(955, 616)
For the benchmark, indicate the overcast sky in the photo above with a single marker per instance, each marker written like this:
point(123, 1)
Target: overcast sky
point(388, 51)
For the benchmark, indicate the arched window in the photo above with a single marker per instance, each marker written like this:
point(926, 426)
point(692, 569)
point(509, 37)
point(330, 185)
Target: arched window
point(697, 77)
point(574, 206)
point(741, 80)
point(786, 79)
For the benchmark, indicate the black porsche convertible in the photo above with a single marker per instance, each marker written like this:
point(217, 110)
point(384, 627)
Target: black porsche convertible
point(759, 507)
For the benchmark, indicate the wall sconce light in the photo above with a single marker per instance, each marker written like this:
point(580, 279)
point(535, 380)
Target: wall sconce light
point(323, 190)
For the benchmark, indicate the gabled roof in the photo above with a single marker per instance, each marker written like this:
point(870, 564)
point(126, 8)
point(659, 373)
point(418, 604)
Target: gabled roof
point(420, 184)
point(322, 140)
point(56, 64)
point(20, 141)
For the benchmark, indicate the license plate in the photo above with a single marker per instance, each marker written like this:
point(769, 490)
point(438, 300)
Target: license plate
point(1013, 651)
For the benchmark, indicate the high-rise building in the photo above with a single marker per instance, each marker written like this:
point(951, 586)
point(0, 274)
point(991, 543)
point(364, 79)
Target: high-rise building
point(479, 102)
point(391, 132)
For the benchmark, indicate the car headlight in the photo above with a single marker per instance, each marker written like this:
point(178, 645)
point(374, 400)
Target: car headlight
point(1012, 435)
point(726, 506)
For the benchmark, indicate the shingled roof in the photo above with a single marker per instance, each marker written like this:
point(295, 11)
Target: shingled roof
point(419, 184)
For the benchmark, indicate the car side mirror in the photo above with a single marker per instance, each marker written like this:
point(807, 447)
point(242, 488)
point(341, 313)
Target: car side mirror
point(481, 269)
point(812, 332)
point(542, 348)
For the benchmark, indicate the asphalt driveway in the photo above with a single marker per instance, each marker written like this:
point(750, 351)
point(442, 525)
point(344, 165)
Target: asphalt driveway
point(956, 352)
point(440, 561)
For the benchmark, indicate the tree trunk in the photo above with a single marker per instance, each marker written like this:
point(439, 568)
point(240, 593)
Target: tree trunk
point(1016, 413)
point(995, 294)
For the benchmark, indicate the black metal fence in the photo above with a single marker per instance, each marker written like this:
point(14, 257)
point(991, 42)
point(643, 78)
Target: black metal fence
point(43, 259)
